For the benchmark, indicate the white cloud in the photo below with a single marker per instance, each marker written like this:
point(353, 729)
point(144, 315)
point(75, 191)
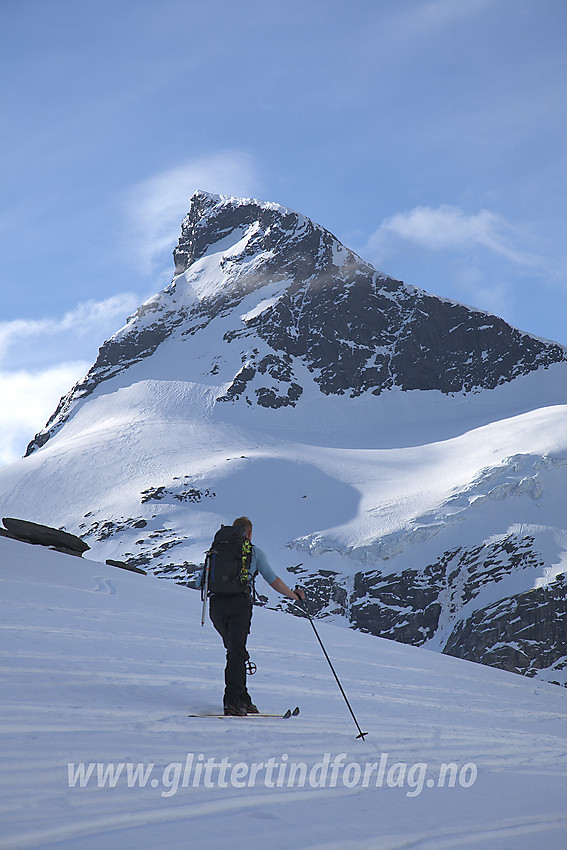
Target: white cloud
point(157, 206)
point(41, 359)
point(95, 318)
point(28, 400)
point(448, 228)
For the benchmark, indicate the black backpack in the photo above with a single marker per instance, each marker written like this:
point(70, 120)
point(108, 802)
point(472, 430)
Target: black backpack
point(228, 562)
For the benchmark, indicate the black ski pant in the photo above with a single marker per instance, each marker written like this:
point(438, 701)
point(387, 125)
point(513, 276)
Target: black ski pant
point(231, 616)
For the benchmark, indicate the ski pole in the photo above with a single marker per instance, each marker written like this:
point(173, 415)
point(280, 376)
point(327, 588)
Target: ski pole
point(361, 734)
point(205, 589)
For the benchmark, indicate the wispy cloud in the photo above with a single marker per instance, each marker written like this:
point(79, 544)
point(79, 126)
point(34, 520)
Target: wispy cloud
point(449, 228)
point(89, 318)
point(408, 29)
point(488, 292)
point(426, 19)
point(41, 359)
point(28, 400)
point(156, 206)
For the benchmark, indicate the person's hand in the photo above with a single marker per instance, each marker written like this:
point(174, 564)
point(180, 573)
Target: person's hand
point(299, 592)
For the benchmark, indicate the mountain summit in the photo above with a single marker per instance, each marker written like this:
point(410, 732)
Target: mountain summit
point(407, 450)
point(309, 303)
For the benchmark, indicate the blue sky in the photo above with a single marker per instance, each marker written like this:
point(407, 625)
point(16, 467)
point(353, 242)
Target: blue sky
point(428, 135)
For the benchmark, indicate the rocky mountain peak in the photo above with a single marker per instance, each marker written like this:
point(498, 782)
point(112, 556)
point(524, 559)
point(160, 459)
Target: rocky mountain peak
point(281, 241)
point(213, 219)
point(276, 294)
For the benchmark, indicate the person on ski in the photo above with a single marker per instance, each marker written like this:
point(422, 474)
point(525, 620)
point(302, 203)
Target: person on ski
point(231, 616)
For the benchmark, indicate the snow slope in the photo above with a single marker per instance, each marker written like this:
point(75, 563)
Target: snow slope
point(102, 666)
point(426, 466)
point(147, 477)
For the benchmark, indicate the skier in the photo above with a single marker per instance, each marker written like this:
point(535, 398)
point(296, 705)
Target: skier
point(231, 615)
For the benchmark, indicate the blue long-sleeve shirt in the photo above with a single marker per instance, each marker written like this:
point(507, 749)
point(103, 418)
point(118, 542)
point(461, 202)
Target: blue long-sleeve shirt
point(259, 564)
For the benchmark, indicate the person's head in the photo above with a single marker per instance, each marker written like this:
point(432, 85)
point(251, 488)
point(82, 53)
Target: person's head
point(244, 523)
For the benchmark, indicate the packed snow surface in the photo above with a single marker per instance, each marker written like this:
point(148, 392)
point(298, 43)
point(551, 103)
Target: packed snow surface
point(101, 668)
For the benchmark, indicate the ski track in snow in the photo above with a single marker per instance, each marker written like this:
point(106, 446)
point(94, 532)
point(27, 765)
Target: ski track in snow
point(103, 585)
point(448, 838)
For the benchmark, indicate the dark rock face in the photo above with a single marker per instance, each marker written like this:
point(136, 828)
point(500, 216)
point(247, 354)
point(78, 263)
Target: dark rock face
point(403, 607)
point(293, 245)
point(375, 334)
point(354, 329)
point(524, 633)
point(407, 606)
point(43, 535)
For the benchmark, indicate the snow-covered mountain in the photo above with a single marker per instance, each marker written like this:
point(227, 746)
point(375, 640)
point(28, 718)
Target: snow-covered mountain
point(297, 308)
point(101, 668)
point(409, 451)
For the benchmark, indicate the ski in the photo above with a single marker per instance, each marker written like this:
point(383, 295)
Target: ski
point(291, 712)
